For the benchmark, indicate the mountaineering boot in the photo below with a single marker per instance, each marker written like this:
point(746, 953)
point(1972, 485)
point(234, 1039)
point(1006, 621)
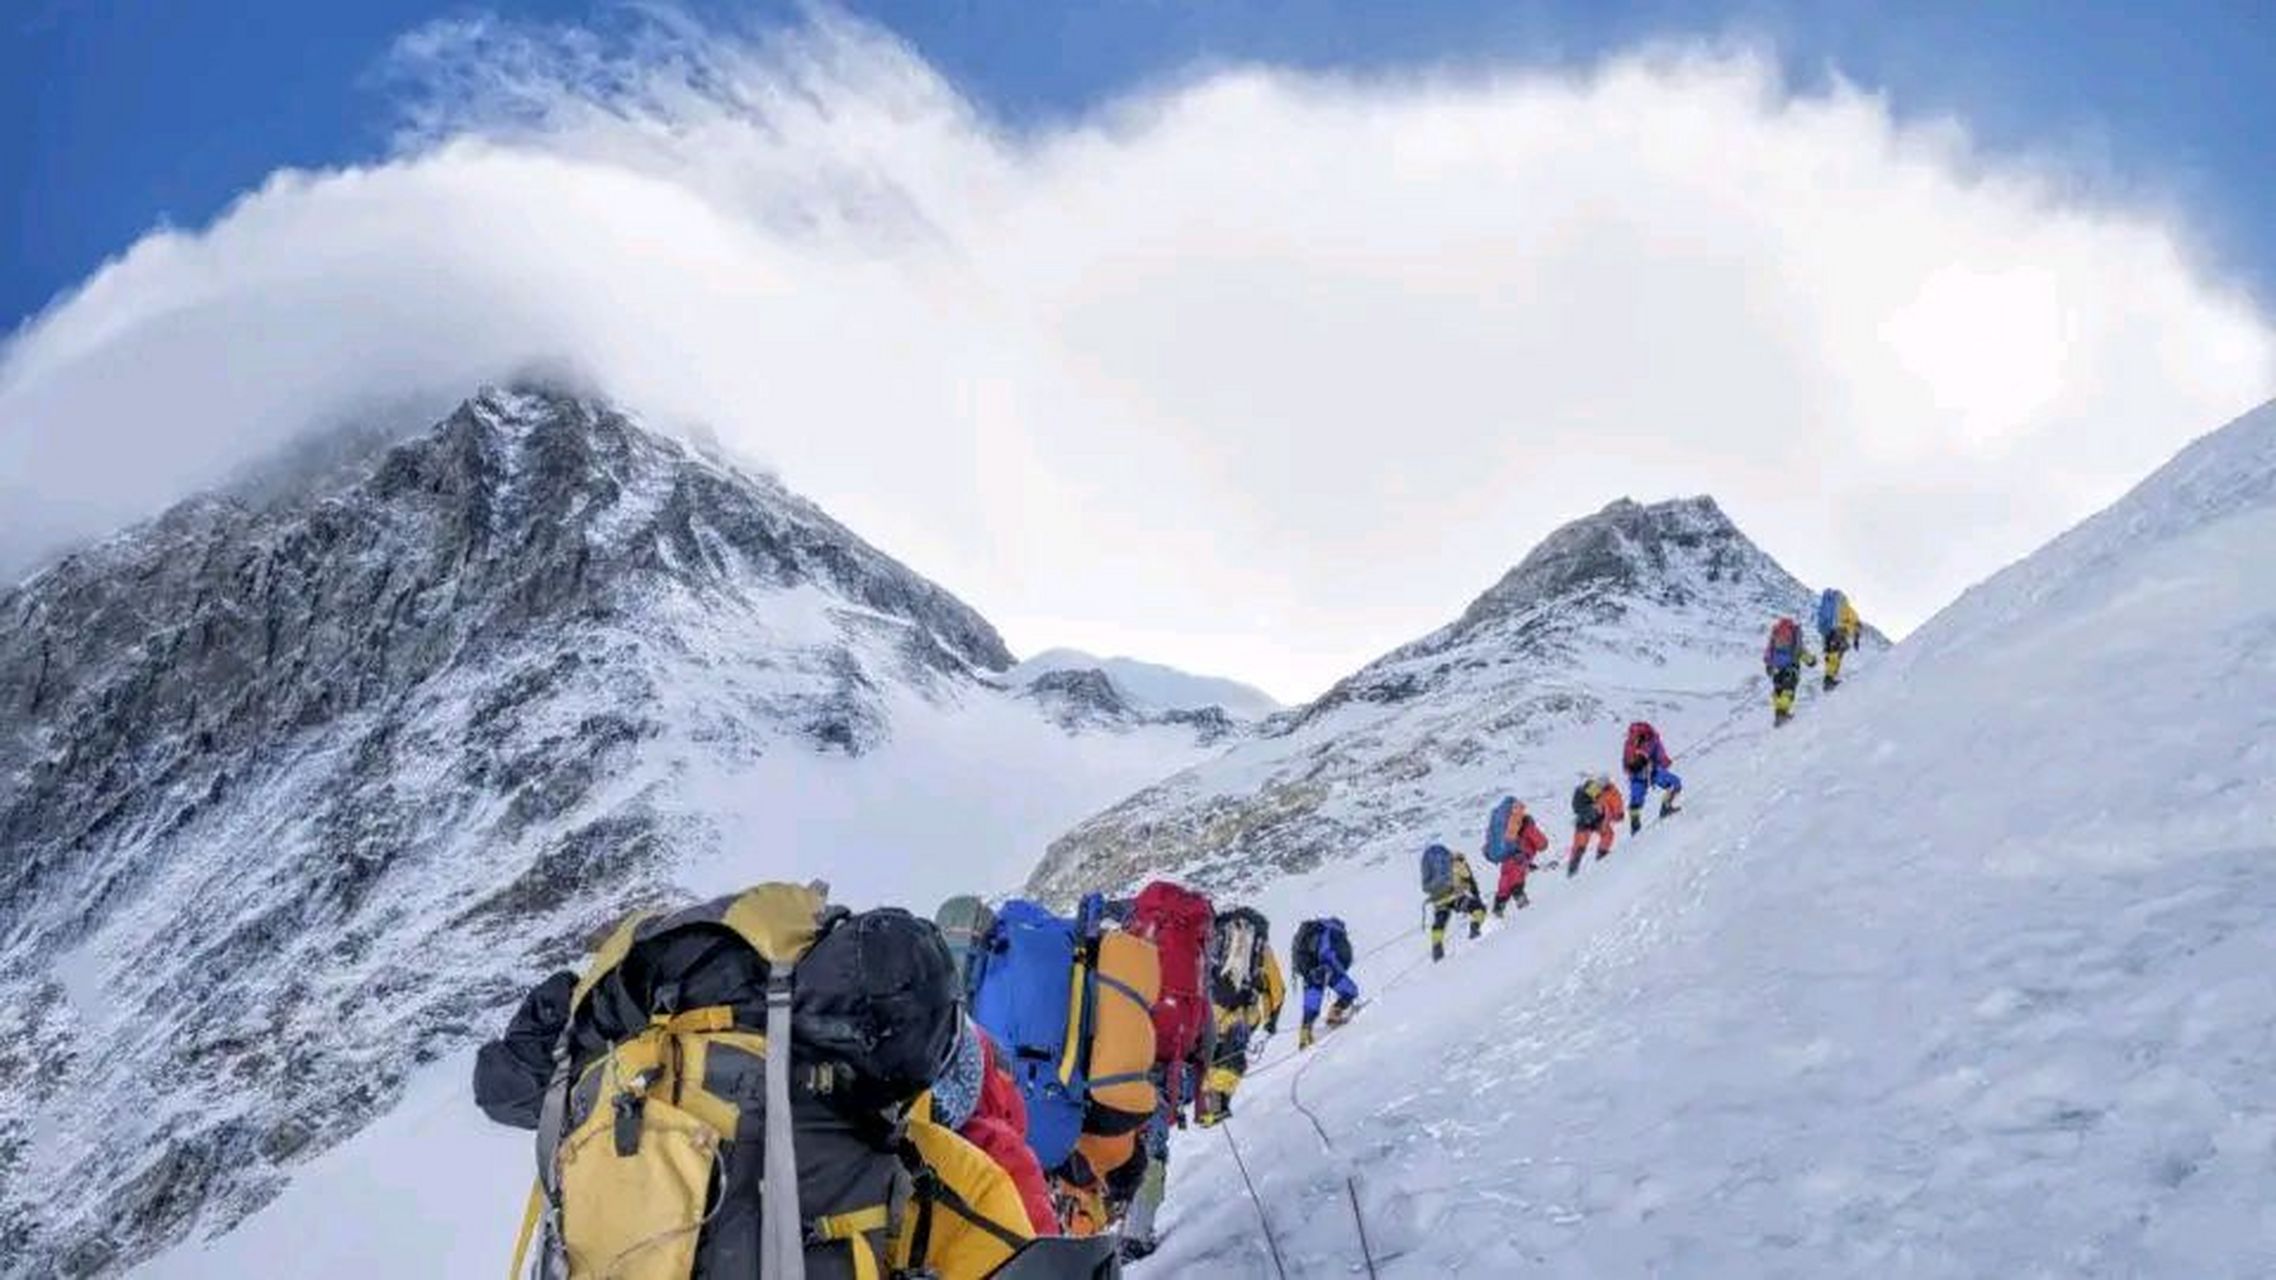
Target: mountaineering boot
point(1133, 1248)
point(1669, 808)
point(1339, 1013)
point(1780, 717)
point(1437, 949)
point(1635, 822)
point(1476, 926)
point(1572, 866)
point(1304, 1036)
point(1521, 900)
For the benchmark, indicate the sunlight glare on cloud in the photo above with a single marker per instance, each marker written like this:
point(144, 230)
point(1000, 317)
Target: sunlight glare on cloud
point(1259, 374)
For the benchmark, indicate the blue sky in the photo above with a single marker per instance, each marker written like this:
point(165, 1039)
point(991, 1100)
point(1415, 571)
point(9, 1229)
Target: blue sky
point(129, 113)
point(1213, 383)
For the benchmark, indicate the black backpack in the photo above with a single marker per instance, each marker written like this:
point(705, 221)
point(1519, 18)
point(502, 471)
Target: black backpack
point(668, 1061)
point(1586, 815)
point(1237, 947)
point(1311, 937)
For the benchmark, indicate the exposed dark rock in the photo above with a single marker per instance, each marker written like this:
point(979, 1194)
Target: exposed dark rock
point(1366, 767)
point(330, 763)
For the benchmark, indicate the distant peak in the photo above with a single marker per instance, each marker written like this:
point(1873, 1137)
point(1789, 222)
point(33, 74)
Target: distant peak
point(1627, 548)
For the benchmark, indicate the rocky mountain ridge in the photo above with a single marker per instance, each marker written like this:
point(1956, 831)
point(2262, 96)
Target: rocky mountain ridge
point(1637, 611)
point(299, 786)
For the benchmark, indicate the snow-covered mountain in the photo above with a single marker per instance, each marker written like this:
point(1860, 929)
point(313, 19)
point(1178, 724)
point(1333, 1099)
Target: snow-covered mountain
point(1965, 973)
point(1150, 686)
point(1079, 700)
point(1655, 612)
point(299, 786)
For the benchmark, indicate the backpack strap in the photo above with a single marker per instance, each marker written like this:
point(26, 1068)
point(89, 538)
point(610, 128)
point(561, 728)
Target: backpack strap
point(781, 1246)
point(850, 1226)
point(1127, 992)
point(932, 1190)
point(781, 922)
point(531, 1212)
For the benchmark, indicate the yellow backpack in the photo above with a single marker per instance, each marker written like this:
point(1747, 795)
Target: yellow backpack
point(655, 1151)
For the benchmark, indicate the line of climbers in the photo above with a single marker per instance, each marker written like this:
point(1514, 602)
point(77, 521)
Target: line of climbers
point(986, 1094)
point(1514, 842)
point(1839, 629)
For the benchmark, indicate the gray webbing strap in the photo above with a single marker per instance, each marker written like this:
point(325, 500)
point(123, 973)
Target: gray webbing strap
point(782, 1247)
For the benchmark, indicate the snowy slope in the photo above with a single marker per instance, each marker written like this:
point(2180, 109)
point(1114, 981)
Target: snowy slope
point(1152, 686)
point(299, 791)
point(1964, 974)
point(1652, 612)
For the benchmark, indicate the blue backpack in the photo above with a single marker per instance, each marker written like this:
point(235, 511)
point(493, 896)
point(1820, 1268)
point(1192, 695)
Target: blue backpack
point(1497, 831)
point(1020, 996)
point(1829, 611)
point(1438, 870)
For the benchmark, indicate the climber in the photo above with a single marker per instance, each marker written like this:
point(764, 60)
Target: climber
point(1180, 922)
point(1450, 887)
point(667, 1033)
point(1245, 992)
point(1513, 840)
point(1644, 756)
point(1322, 958)
point(974, 1095)
point(1071, 1001)
point(1596, 812)
point(1782, 660)
point(1838, 630)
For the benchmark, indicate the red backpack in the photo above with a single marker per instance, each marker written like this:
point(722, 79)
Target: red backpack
point(1177, 921)
point(1641, 738)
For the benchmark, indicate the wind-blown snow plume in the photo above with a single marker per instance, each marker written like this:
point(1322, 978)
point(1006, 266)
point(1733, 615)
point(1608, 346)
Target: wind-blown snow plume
point(1218, 366)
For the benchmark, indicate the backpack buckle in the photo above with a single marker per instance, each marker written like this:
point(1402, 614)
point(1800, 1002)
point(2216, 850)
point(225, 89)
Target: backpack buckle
point(629, 1107)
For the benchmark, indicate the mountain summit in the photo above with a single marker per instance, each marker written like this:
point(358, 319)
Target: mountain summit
point(1637, 611)
point(298, 786)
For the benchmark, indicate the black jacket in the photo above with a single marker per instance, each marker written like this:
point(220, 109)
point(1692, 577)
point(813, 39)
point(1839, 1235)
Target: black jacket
point(511, 1072)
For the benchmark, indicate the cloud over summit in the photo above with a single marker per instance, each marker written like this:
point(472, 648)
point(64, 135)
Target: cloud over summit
point(1263, 372)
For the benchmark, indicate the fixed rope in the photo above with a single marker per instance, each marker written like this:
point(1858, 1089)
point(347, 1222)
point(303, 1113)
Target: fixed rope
point(1714, 736)
point(1256, 1201)
point(1327, 1144)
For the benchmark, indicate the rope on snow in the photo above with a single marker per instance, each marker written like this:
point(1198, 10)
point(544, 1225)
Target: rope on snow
point(1279, 1267)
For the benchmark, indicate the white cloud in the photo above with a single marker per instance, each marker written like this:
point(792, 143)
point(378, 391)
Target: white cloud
point(1260, 374)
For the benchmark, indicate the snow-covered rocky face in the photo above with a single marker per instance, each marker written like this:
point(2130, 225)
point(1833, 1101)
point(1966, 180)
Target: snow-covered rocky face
point(1635, 613)
point(300, 786)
